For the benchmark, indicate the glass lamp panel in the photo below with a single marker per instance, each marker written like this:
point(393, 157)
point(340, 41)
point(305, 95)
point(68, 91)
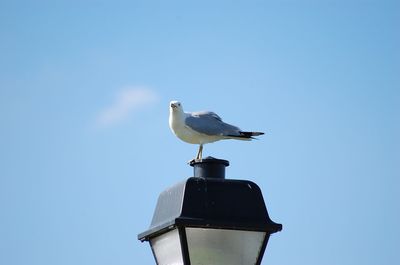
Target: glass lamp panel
point(167, 248)
point(221, 246)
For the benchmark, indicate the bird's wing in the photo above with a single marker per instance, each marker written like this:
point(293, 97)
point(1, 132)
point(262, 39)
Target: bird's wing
point(210, 123)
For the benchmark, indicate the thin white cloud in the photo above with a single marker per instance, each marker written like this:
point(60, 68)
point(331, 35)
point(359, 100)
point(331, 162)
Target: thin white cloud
point(128, 101)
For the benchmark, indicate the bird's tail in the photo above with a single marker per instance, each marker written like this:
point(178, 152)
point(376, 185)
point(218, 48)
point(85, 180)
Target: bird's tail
point(246, 135)
point(250, 134)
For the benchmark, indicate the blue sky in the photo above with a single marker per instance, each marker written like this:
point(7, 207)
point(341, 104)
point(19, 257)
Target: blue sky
point(85, 147)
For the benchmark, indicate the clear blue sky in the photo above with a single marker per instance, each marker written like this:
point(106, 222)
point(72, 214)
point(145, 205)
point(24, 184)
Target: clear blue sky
point(85, 147)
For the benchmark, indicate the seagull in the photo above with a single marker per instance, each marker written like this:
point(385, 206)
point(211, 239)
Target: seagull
point(203, 127)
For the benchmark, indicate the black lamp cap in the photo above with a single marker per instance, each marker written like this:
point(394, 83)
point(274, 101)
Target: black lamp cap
point(211, 203)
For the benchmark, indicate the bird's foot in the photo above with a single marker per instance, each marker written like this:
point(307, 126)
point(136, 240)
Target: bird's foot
point(194, 160)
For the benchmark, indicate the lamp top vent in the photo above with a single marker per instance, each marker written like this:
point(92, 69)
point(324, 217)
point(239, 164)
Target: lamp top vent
point(209, 167)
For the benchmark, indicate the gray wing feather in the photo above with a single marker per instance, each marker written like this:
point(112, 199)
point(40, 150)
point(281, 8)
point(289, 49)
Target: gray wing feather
point(211, 124)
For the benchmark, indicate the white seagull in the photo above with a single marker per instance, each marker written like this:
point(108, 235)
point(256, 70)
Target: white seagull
point(203, 127)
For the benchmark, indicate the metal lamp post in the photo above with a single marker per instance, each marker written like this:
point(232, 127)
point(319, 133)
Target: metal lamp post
point(210, 220)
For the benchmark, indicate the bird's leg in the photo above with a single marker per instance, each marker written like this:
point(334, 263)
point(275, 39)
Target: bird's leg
point(200, 153)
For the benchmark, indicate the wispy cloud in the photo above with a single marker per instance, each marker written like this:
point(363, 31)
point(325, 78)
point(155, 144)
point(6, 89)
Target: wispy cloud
point(128, 101)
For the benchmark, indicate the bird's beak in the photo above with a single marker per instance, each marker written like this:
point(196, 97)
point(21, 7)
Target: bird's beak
point(173, 105)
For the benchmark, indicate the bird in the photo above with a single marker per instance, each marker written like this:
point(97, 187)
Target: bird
point(203, 127)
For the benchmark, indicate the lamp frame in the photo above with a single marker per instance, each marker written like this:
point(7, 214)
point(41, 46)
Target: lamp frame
point(214, 203)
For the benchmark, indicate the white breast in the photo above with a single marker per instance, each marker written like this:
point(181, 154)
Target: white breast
point(185, 133)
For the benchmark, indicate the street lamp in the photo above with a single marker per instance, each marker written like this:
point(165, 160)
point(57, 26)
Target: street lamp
point(210, 220)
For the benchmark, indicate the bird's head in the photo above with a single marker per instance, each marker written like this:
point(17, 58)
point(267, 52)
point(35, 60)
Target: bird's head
point(175, 106)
